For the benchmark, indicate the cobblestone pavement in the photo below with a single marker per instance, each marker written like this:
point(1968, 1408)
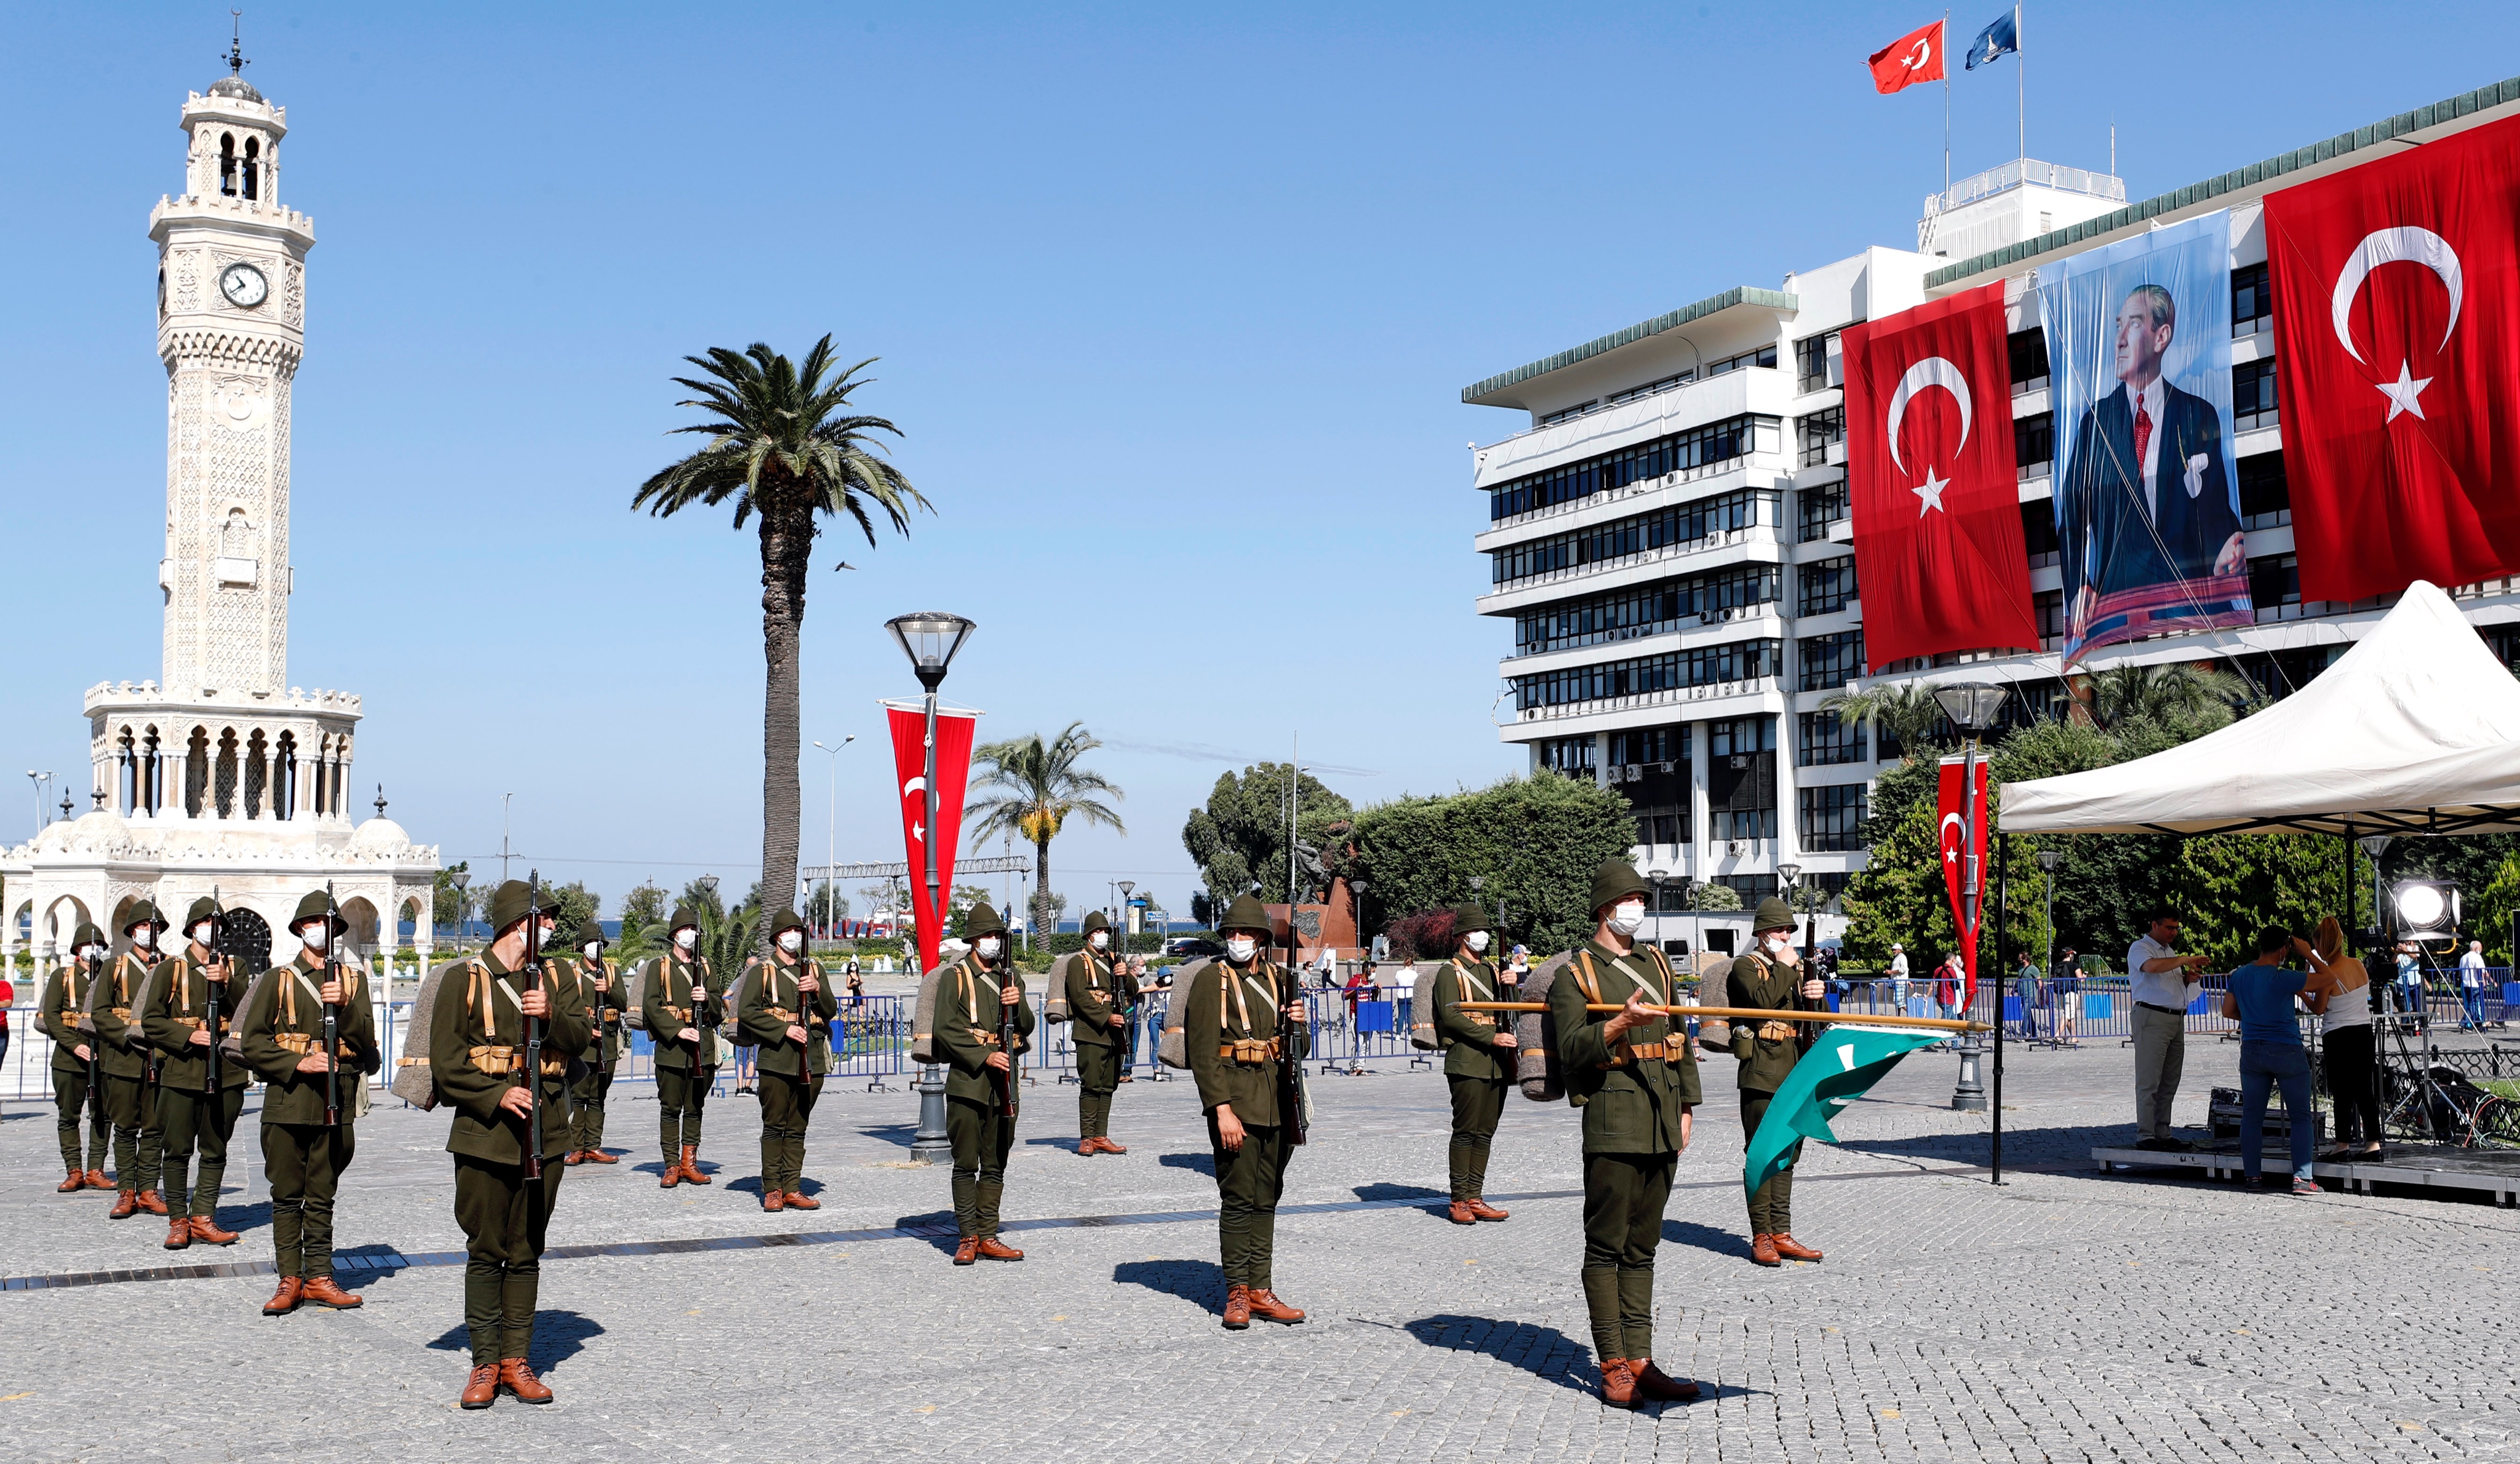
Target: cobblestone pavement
point(2064, 1317)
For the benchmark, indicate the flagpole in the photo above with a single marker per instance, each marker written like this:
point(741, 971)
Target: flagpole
point(1947, 108)
point(2020, 91)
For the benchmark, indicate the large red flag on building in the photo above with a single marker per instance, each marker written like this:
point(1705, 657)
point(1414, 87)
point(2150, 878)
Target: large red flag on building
point(1915, 56)
point(1938, 547)
point(953, 773)
point(1963, 864)
point(2397, 296)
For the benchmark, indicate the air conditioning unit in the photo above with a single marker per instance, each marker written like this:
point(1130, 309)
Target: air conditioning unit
point(1736, 846)
point(1740, 761)
point(1635, 771)
point(1614, 773)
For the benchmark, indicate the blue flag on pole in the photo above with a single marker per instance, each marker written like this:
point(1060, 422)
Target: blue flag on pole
point(1994, 41)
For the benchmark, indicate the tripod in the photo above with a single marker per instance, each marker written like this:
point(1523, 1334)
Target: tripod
point(2421, 1106)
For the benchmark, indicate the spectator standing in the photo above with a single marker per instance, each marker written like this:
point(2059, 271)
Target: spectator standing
point(2471, 988)
point(1899, 977)
point(2261, 998)
point(1133, 998)
point(2065, 989)
point(1950, 978)
point(2025, 990)
point(2411, 980)
point(8, 995)
point(2346, 1039)
point(857, 985)
point(2164, 982)
point(1404, 993)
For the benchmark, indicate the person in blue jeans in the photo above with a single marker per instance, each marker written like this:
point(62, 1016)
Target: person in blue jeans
point(2259, 997)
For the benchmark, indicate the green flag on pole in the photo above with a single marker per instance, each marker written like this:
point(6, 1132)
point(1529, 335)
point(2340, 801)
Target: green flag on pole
point(1840, 1068)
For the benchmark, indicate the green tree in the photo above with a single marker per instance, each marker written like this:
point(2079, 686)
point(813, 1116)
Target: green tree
point(1033, 788)
point(446, 903)
point(702, 897)
point(576, 905)
point(644, 904)
point(784, 443)
point(1532, 842)
point(1239, 839)
point(1904, 713)
point(1708, 896)
point(2233, 885)
point(2491, 907)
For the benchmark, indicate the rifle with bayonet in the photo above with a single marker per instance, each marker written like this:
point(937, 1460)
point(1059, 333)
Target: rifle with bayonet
point(211, 990)
point(1290, 1068)
point(533, 974)
point(95, 1044)
point(332, 1013)
point(1005, 1026)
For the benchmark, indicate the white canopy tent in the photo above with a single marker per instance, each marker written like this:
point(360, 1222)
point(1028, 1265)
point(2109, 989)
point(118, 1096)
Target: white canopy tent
point(2414, 731)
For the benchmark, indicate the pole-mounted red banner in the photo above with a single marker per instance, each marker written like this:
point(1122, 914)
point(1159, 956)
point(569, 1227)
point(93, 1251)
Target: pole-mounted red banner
point(953, 772)
point(1960, 829)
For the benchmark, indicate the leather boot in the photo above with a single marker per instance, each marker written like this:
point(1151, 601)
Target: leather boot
point(1462, 1213)
point(481, 1389)
point(125, 1206)
point(598, 1156)
point(1762, 1249)
point(1618, 1384)
point(1237, 1306)
point(152, 1202)
point(991, 1249)
point(1266, 1307)
point(692, 1166)
point(672, 1175)
point(1792, 1249)
point(285, 1299)
point(324, 1291)
point(797, 1200)
point(96, 1179)
point(1484, 1211)
point(1662, 1387)
point(74, 1184)
point(966, 1250)
point(573, 1158)
point(206, 1227)
point(179, 1232)
point(1108, 1147)
point(517, 1376)
point(1087, 1149)
point(774, 1200)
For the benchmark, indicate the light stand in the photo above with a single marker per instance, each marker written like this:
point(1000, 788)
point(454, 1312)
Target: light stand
point(1974, 707)
point(2049, 860)
point(929, 639)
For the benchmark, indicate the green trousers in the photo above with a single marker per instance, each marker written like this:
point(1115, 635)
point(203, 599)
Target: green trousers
point(1478, 1104)
point(1771, 1207)
point(1623, 1200)
point(1097, 1077)
point(196, 1123)
point(680, 1095)
point(586, 1100)
point(1249, 1182)
point(139, 1144)
point(69, 1096)
point(304, 1163)
point(786, 1108)
point(505, 1218)
point(981, 1137)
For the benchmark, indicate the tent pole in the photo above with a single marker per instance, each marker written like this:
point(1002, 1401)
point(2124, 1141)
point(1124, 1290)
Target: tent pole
point(2003, 957)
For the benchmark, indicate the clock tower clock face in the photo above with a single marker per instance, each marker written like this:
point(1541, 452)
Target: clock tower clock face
point(244, 285)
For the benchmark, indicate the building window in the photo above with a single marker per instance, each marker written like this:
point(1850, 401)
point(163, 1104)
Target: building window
point(1680, 452)
point(1824, 738)
point(1752, 888)
point(1645, 611)
point(1818, 431)
point(1824, 588)
point(1565, 414)
point(1569, 756)
point(2039, 533)
point(1640, 676)
point(1811, 361)
point(2034, 445)
point(1663, 528)
point(1741, 777)
point(2253, 395)
point(2027, 351)
point(2264, 501)
point(1829, 661)
point(1765, 355)
point(2049, 607)
point(227, 165)
point(1831, 818)
point(1816, 509)
point(2275, 587)
point(2252, 308)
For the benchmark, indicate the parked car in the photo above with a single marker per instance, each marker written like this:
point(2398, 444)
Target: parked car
point(1192, 945)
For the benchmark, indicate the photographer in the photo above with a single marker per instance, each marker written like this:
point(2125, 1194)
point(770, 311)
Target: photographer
point(2261, 999)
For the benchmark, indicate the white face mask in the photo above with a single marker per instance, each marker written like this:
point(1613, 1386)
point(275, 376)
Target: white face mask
point(1477, 941)
point(314, 937)
point(205, 933)
point(989, 946)
point(593, 950)
point(1775, 945)
point(1239, 948)
point(1102, 939)
point(144, 937)
point(1628, 918)
point(687, 938)
point(791, 940)
point(91, 954)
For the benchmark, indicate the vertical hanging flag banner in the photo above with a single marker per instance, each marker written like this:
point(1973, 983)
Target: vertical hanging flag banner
point(1842, 1066)
point(1962, 863)
point(1929, 468)
point(2002, 38)
point(2397, 296)
point(1915, 56)
point(2147, 505)
point(953, 773)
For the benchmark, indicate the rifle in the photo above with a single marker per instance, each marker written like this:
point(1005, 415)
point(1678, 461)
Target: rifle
point(210, 989)
point(1006, 1030)
point(331, 1021)
point(1290, 1068)
point(95, 1046)
point(533, 974)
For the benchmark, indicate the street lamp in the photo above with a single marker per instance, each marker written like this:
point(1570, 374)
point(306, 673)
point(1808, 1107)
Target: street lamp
point(459, 879)
point(1974, 707)
point(1655, 877)
point(38, 780)
point(1127, 887)
point(2049, 860)
point(930, 638)
point(831, 827)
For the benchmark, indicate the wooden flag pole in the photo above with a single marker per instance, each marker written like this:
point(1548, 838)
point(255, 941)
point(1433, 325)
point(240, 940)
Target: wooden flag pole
point(1757, 1015)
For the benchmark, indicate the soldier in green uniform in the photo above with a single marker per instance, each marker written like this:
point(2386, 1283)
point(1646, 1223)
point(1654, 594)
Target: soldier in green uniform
point(1772, 977)
point(131, 1068)
point(681, 1004)
point(1634, 1075)
point(599, 990)
point(968, 998)
point(1096, 1002)
point(195, 1118)
point(1478, 1058)
point(63, 1018)
point(282, 1041)
point(786, 1008)
point(1244, 1018)
point(476, 1052)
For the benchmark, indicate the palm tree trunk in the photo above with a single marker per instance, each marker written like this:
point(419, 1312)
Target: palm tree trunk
point(1041, 892)
point(786, 550)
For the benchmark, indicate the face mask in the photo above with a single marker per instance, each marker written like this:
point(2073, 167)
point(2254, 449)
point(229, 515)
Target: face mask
point(144, 937)
point(1775, 945)
point(315, 937)
point(1102, 939)
point(205, 933)
point(1239, 948)
point(1477, 941)
point(91, 954)
point(989, 946)
point(687, 938)
point(1628, 918)
point(593, 950)
point(791, 940)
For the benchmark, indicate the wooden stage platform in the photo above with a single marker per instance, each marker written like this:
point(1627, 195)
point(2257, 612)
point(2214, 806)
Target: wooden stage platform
point(2418, 1167)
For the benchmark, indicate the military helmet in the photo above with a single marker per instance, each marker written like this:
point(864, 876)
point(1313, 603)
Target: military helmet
point(1095, 920)
point(1774, 914)
point(1614, 882)
point(315, 906)
point(510, 903)
point(204, 908)
point(592, 933)
point(1247, 913)
point(783, 920)
point(684, 915)
point(86, 935)
point(1471, 916)
point(144, 913)
point(980, 921)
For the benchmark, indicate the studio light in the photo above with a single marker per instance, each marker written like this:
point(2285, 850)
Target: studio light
point(2424, 911)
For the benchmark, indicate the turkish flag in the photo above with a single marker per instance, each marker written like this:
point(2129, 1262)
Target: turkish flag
point(1963, 864)
point(1915, 56)
point(2397, 296)
point(1930, 471)
point(953, 773)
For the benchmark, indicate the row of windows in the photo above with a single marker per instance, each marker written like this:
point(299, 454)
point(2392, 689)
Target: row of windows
point(1571, 756)
point(1738, 660)
point(1829, 661)
point(1765, 355)
point(1825, 587)
point(1831, 818)
point(1681, 523)
point(1811, 361)
point(1679, 452)
point(1816, 433)
point(2253, 395)
point(1817, 507)
point(1823, 739)
point(1643, 611)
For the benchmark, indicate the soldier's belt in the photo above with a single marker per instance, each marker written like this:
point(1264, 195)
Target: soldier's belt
point(812, 1018)
point(502, 1062)
point(411, 1062)
point(300, 1042)
point(1248, 1049)
point(1644, 1051)
point(195, 1023)
point(121, 1013)
point(984, 1039)
point(1777, 1031)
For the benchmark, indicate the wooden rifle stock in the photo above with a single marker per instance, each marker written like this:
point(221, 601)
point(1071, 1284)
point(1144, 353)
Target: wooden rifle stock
point(1757, 1014)
point(1290, 1068)
point(332, 1013)
point(533, 973)
point(1005, 1029)
point(211, 990)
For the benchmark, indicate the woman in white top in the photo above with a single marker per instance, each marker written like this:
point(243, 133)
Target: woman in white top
point(2340, 992)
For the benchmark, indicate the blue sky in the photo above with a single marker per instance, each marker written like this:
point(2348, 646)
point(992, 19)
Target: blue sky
point(1173, 305)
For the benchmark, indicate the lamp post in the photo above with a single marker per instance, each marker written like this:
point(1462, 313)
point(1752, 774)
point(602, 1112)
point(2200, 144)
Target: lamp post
point(1655, 877)
point(1974, 707)
point(929, 639)
point(460, 879)
point(1128, 887)
point(2049, 860)
point(831, 827)
point(38, 780)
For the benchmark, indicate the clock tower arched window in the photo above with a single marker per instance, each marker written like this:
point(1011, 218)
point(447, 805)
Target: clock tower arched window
point(227, 165)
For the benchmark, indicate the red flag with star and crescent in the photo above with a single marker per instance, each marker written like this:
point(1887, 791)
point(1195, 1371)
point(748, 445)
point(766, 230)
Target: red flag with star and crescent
point(953, 772)
point(1929, 469)
point(2397, 297)
point(1915, 56)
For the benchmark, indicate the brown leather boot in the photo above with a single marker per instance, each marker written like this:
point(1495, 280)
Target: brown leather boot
point(1618, 1384)
point(1762, 1249)
point(992, 1249)
point(1108, 1147)
point(74, 1184)
point(206, 1228)
point(179, 1232)
point(481, 1389)
point(517, 1376)
point(672, 1175)
point(598, 1156)
point(573, 1158)
point(797, 1200)
point(1266, 1307)
point(692, 1166)
point(1484, 1211)
point(285, 1299)
point(96, 1179)
point(1660, 1385)
point(1792, 1249)
point(966, 1250)
point(1087, 1149)
point(1237, 1306)
point(324, 1291)
point(774, 1200)
point(125, 1206)
point(152, 1202)
point(1462, 1213)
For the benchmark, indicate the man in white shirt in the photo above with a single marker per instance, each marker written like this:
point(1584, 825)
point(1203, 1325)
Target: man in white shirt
point(2164, 983)
point(2471, 988)
point(1899, 976)
point(1404, 990)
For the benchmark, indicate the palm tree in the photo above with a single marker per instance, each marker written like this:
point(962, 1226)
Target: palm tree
point(1904, 711)
point(2176, 691)
point(783, 444)
point(1039, 788)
